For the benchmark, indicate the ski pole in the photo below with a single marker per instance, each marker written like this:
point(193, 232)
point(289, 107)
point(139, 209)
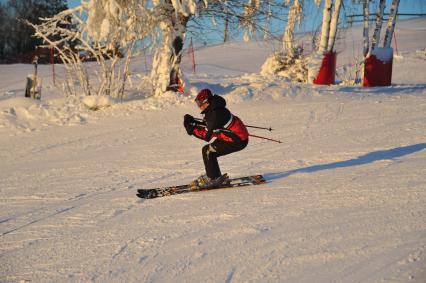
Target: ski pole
point(249, 126)
point(256, 127)
point(255, 136)
point(259, 137)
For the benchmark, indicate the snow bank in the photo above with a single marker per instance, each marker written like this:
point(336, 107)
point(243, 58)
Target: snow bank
point(25, 114)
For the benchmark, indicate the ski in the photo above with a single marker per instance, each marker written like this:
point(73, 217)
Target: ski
point(174, 190)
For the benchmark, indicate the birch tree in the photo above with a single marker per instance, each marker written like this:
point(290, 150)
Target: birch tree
point(325, 29)
point(333, 25)
point(391, 24)
point(379, 20)
point(328, 36)
point(366, 15)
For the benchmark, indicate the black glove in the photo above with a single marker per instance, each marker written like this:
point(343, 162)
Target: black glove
point(187, 120)
point(189, 123)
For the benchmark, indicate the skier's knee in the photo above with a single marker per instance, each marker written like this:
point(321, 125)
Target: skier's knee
point(208, 150)
point(205, 149)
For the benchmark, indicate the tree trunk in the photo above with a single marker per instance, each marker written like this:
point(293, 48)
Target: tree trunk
point(226, 29)
point(166, 64)
point(325, 30)
point(379, 21)
point(391, 23)
point(333, 25)
point(177, 47)
point(366, 13)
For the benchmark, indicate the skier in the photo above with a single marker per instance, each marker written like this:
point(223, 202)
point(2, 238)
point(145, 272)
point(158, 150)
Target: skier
point(228, 131)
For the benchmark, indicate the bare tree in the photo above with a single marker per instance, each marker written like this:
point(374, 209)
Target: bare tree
point(105, 45)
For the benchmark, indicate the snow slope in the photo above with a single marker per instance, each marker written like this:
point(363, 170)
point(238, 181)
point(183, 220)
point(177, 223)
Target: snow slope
point(345, 202)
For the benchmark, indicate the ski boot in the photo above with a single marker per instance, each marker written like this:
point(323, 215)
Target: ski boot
point(194, 184)
point(204, 182)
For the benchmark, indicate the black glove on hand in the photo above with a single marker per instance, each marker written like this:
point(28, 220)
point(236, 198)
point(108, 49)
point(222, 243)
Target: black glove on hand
point(187, 120)
point(188, 123)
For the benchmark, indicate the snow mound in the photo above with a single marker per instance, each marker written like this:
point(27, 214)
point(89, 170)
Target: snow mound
point(97, 102)
point(27, 114)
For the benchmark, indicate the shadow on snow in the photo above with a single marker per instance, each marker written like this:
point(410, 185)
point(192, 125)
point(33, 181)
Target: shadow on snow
point(371, 157)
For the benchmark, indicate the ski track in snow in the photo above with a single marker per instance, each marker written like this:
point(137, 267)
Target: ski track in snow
point(345, 201)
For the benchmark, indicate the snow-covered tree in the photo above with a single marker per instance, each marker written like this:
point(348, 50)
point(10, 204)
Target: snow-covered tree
point(288, 62)
point(110, 24)
point(104, 29)
point(174, 16)
point(294, 16)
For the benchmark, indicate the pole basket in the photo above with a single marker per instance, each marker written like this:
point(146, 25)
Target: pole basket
point(378, 68)
point(327, 73)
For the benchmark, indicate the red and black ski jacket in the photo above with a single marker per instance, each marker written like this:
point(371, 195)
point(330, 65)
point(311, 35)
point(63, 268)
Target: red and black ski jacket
point(219, 123)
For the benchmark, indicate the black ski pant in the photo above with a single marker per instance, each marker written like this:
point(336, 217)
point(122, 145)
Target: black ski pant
point(216, 149)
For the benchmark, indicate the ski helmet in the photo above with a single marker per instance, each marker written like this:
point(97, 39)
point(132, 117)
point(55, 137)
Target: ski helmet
point(203, 96)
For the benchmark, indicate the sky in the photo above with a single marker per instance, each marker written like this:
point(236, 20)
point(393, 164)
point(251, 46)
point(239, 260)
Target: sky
point(405, 6)
point(313, 15)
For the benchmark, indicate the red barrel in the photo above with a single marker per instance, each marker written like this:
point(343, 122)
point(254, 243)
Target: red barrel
point(327, 73)
point(378, 70)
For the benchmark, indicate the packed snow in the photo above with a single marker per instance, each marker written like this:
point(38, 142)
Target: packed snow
point(345, 201)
